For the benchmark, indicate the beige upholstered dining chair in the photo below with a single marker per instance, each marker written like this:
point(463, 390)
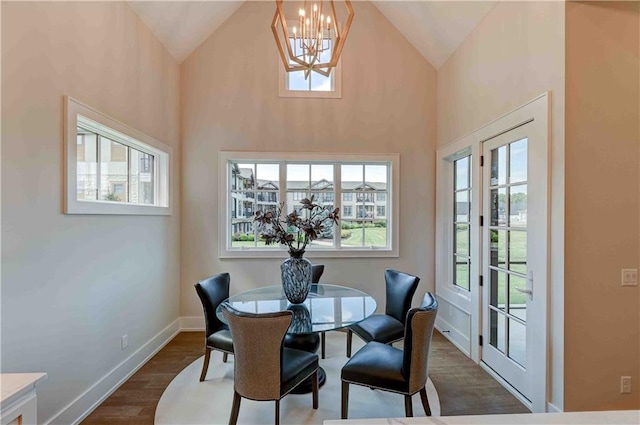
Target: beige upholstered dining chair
point(381, 366)
point(263, 368)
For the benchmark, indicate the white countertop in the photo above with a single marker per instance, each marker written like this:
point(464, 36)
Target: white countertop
point(15, 385)
point(619, 417)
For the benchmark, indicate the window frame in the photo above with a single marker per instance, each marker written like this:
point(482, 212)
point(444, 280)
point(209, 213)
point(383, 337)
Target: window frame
point(224, 205)
point(445, 222)
point(123, 134)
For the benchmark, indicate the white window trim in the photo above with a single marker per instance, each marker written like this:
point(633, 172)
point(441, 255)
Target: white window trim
point(224, 209)
point(336, 93)
point(444, 221)
point(125, 135)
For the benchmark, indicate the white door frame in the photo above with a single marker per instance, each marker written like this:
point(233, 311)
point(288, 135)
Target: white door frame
point(536, 111)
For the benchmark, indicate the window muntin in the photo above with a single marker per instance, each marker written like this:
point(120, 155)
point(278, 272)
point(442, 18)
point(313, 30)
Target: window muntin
point(111, 168)
point(365, 223)
point(462, 222)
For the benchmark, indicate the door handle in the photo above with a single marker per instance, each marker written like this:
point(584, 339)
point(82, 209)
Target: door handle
point(529, 289)
point(524, 291)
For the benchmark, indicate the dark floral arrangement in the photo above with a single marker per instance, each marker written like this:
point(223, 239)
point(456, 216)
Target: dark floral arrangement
point(294, 230)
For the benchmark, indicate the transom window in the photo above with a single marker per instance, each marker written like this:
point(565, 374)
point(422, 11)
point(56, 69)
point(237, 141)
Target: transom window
point(112, 168)
point(259, 182)
point(294, 84)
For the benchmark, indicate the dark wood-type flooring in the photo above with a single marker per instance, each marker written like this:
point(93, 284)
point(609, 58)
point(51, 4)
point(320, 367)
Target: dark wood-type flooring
point(463, 387)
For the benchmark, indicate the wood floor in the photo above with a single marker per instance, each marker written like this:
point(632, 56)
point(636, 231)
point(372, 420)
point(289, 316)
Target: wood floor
point(463, 387)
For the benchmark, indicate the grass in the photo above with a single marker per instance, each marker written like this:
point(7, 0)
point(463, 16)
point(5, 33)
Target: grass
point(517, 253)
point(373, 236)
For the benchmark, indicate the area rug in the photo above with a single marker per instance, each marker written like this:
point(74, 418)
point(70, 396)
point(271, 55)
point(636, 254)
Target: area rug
point(189, 402)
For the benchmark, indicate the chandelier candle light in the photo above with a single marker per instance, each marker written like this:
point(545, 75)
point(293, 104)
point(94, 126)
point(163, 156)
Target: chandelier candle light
point(316, 31)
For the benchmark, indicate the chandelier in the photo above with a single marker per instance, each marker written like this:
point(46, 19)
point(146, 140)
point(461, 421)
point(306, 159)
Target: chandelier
point(314, 41)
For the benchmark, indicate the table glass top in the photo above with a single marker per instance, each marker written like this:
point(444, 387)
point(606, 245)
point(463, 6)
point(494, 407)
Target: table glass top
point(326, 308)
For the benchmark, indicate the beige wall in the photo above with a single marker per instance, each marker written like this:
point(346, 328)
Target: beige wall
point(72, 285)
point(230, 102)
point(602, 319)
point(515, 54)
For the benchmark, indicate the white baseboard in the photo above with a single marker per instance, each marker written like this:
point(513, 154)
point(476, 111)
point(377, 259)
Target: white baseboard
point(191, 324)
point(89, 400)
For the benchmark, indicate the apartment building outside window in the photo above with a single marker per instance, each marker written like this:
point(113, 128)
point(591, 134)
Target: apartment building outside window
point(260, 181)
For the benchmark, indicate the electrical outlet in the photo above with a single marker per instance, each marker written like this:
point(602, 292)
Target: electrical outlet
point(125, 341)
point(625, 385)
point(629, 277)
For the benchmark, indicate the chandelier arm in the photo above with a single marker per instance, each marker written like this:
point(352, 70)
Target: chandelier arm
point(340, 44)
point(275, 35)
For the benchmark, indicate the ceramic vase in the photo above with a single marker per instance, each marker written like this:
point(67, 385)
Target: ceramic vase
point(296, 277)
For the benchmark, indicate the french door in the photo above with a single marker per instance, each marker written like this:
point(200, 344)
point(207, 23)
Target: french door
point(514, 257)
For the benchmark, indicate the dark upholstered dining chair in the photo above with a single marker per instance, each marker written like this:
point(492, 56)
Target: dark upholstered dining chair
point(316, 274)
point(381, 366)
point(212, 291)
point(263, 368)
point(389, 327)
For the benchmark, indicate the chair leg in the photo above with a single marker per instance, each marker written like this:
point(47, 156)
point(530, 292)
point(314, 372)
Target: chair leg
point(205, 366)
point(225, 357)
point(314, 389)
point(425, 401)
point(349, 340)
point(277, 421)
point(323, 342)
point(235, 409)
point(408, 407)
point(345, 399)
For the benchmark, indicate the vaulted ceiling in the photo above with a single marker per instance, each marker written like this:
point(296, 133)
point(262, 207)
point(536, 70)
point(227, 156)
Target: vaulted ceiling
point(434, 28)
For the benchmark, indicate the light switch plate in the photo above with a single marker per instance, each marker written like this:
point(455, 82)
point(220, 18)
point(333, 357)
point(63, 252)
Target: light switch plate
point(629, 277)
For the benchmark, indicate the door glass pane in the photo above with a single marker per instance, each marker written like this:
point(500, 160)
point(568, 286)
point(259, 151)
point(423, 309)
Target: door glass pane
point(517, 342)
point(497, 330)
point(518, 161)
point(518, 251)
point(518, 206)
point(462, 173)
point(461, 272)
point(498, 247)
point(499, 166)
point(461, 244)
point(462, 206)
point(517, 300)
point(498, 207)
point(498, 289)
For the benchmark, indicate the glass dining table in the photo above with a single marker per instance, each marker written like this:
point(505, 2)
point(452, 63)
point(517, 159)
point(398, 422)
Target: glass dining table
point(328, 307)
